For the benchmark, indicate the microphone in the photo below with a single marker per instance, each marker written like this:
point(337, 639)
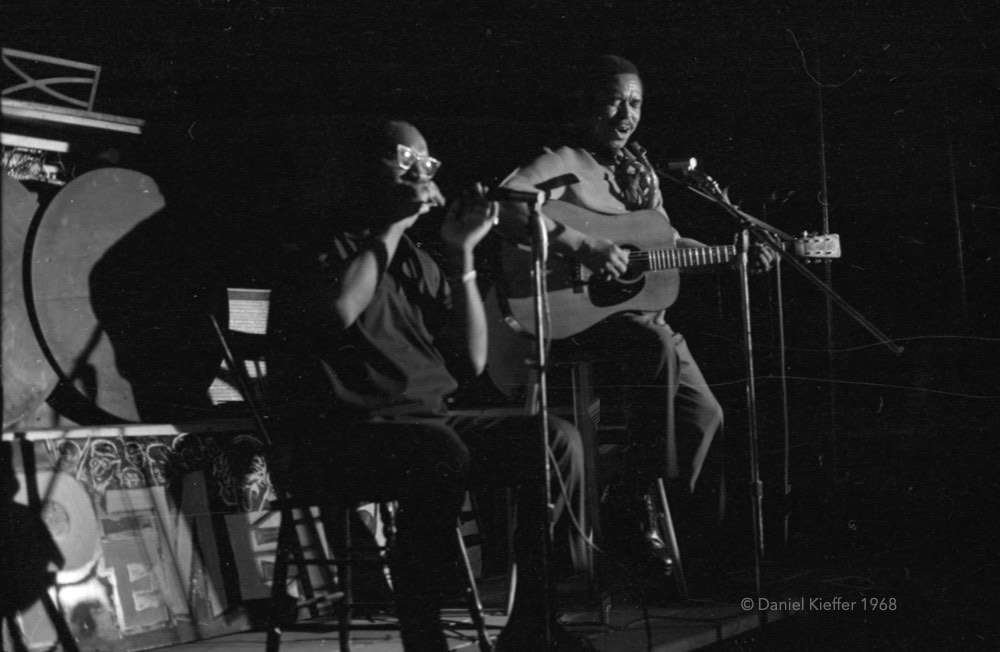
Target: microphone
point(549, 185)
point(544, 191)
point(508, 194)
point(696, 178)
point(685, 165)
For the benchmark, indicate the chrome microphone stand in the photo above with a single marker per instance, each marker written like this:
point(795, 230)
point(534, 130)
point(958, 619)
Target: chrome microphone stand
point(538, 236)
point(540, 251)
point(706, 187)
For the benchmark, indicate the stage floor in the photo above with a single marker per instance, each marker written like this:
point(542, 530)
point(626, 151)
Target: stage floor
point(684, 625)
point(673, 629)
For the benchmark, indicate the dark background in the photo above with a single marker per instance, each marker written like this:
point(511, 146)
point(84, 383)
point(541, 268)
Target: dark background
point(892, 105)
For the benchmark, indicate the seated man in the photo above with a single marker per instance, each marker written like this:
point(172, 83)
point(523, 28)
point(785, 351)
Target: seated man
point(674, 416)
point(373, 334)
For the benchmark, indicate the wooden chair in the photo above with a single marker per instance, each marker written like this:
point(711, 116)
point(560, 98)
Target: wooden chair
point(339, 596)
point(247, 375)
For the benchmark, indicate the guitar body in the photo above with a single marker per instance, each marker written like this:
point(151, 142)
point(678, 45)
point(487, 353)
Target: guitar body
point(579, 299)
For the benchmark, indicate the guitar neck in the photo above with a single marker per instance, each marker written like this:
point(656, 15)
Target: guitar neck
point(682, 257)
point(677, 258)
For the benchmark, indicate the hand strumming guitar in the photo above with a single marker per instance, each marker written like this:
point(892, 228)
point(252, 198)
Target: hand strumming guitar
point(603, 257)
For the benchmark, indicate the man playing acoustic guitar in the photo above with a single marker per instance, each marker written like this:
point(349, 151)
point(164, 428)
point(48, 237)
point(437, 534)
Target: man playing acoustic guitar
point(673, 414)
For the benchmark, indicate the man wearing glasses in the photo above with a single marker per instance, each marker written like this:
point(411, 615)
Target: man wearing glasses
point(374, 335)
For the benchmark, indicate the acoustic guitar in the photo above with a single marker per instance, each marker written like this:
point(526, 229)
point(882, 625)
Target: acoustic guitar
point(578, 298)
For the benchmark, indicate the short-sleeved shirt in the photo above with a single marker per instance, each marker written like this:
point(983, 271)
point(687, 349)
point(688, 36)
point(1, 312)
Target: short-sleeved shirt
point(387, 362)
point(597, 188)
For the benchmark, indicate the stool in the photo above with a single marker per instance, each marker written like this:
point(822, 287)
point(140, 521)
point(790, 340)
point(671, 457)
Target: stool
point(345, 555)
point(587, 418)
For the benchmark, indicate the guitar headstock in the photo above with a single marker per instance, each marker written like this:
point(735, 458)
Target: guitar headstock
point(817, 246)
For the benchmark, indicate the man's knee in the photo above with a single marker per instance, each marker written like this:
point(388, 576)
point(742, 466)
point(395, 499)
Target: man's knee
point(716, 414)
point(650, 347)
point(706, 414)
point(431, 451)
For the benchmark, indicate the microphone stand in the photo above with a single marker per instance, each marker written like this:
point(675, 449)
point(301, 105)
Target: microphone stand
point(540, 250)
point(539, 237)
point(706, 187)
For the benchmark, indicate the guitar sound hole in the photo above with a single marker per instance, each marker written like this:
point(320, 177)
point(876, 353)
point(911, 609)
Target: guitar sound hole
point(606, 292)
point(633, 273)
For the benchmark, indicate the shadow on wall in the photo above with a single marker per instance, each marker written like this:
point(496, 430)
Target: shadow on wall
point(153, 293)
point(28, 555)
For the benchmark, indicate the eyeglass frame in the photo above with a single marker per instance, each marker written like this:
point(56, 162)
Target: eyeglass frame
point(421, 160)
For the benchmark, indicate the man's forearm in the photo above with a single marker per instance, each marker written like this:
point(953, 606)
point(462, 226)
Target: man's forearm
point(357, 284)
point(471, 327)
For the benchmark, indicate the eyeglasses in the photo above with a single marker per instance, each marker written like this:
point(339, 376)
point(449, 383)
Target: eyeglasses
point(406, 158)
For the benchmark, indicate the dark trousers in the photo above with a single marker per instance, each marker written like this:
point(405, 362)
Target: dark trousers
point(427, 464)
point(673, 414)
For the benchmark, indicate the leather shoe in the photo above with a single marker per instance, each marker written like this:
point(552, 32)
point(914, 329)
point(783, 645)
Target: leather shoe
point(634, 531)
point(633, 525)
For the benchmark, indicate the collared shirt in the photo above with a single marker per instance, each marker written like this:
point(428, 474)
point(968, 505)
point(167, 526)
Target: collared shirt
point(597, 189)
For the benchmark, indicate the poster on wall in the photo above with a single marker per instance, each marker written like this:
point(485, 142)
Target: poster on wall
point(146, 536)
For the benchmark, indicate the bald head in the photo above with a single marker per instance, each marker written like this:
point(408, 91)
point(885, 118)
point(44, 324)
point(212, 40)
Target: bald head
point(397, 132)
point(378, 180)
